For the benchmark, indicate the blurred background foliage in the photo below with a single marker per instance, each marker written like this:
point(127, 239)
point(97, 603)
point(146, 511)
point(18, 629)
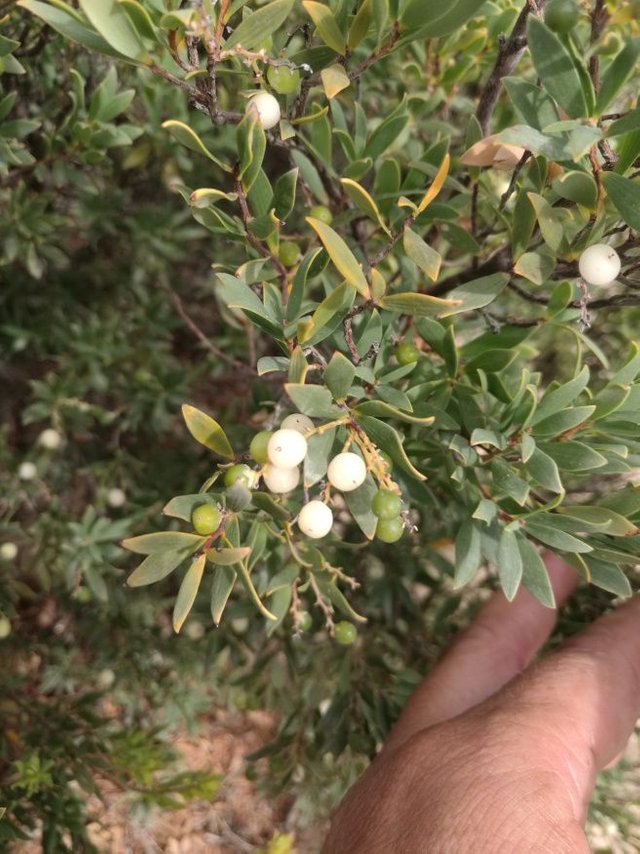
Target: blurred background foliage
point(100, 262)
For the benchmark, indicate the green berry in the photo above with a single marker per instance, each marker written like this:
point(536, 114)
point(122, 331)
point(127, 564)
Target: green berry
point(407, 354)
point(283, 79)
point(386, 504)
point(561, 15)
point(322, 213)
point(346, 633)
point(389, 530)
point(289, 253)
point(241, 473)
point(305, 621)
point(205, 519)
point(258, 446)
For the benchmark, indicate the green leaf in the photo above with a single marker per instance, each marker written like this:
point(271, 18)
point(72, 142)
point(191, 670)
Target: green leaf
point(312, 400)
point(263, 501)
point(360, 25)
point(326, 25)
point(510, 567)
point(258, 26)
point(365, 202)
point(305, 270)
point(389, 440)
point(616, 75)
point(182, 506)
point(188, 592)
point(552, 221)
point(417, 305)
point(224, 579)
point(342, 257)
point(468, 554)
point(422, 255)
point(564, 421)
point(113, 24)
point(328, 315)
point(359, 504)
point(190, 139)
point(424, 20)
point(555, 68)
point(284, 193)
point(140, 19)
point(148, 544)
point(476, 294)
point(574, 456)
point(614, 524)
point(545, 471)
point(70, 27)
point(534, 105)
point(535, 576)
point(316, 462)
point(386, 410)
point(228, 557)
point(625, 195)
point(207, 431)
point(339, 375)
point(578, 187)
point(155, 567)
point(543, 528)
point(252, 144)
point(536, 267)
point(608, 577)
point(559, 398)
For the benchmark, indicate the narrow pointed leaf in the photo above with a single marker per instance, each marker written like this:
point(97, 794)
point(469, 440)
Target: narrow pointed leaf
point(188, 592)
point(207, 431)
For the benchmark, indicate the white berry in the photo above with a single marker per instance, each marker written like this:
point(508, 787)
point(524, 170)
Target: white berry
point(347, 472)
point(266, 107)
point(599, 264)
point(106, 678)
point(286, 448)
point(116, 497)
point(5, 628)
point(27, 471)
point(315, 520)
point(8, 551)
point(278, 480)
point(50, 439)
point(298, 421)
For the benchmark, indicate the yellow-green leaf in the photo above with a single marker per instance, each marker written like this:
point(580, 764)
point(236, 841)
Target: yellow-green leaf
point(190, 139)
point(258, 26)
point(188, 592)
point(155, 567)
point(207, 431)
point(342, 257)
point(227, 557)
point(423, 255)
point(364, 201)
point(224, 579)
point(436, 186)
point(113, 24)
point(360, 25)
point(334, 79)
point(417, 305)
point(326, 24)
point(338, 300)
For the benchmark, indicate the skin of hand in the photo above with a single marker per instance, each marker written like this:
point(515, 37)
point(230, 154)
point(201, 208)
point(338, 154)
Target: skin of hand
point(493, 753)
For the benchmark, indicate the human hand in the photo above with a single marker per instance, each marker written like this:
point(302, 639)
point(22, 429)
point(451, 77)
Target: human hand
point(494, 755)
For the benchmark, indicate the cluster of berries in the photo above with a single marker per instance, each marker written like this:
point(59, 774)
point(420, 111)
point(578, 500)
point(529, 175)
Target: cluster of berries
point(280, 454)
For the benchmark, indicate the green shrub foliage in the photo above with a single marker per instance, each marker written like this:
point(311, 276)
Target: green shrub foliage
point(358, 222)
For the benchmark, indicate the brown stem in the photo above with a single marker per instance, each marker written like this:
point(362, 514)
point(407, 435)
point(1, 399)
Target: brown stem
point(509, 53)
point(599, 20)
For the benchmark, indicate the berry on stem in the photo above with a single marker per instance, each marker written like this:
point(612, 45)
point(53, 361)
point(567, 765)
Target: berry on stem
point(266, 108)
point(8, 551)
point(287, 448)
point(242, 473)
point(561, 15)
point(322, 213)
point(406, 353)
point(205, 519)
point(304, 621)
point(389, 530)
point(347, 472)
point(298, 421)
point(283, 79)
point(315, 520)
point(346, 633)
point(258, 446)
point(50, 439)
point(599, 264)
point(289, 253)
point(386, 504)
point(279, 480)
